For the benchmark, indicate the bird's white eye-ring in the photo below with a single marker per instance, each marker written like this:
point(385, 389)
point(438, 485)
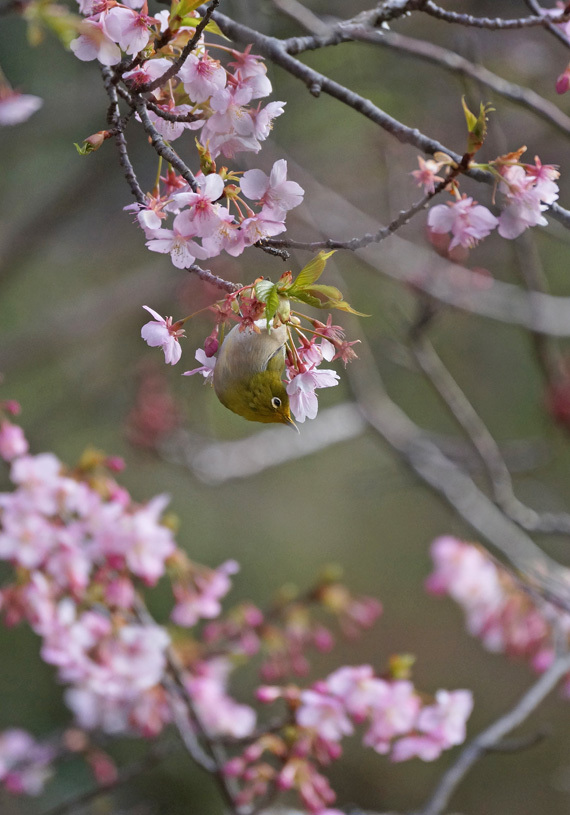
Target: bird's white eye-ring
point(276, 402)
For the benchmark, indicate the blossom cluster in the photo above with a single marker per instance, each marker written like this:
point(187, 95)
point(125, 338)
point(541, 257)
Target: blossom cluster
point(398, 719)
point(79, 546)
point(221, 102)
point(528, 190)
point(505, 618)
point(82, 551)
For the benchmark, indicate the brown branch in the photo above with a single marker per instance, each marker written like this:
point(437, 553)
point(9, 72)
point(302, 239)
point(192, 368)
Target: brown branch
point(274, 50)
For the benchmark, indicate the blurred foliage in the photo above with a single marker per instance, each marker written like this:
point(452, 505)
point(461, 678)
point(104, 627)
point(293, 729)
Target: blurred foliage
point(74, 275)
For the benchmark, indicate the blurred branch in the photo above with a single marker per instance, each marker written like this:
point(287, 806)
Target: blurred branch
point(495, 23)
point(189, 723)
point(490, 739)
point(450, 61)
point(547, 351)
point(124, 776)
point(488, 449)
point(550, 26)
point(545, 575)
point(215, 463)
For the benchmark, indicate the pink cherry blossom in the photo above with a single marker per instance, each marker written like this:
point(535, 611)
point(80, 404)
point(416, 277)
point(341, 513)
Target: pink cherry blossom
point(13, 443)
point(394, 713)
point(219, 714)
point(199, 597)
point(162, 332)
point(301, 390)
point(467, 221)
point(325, 714)
point(94, 43)
point(129, 29)
point(426, 176)
point(264, 224)
point(24, 762)
point(226, 235)
point(524, 203)
point(16, 108)
point(148, 71)
point(178, 244)
point(273, 191)
point(202, 217)
point(202, 77)
point(263, 119)
point(206, 368)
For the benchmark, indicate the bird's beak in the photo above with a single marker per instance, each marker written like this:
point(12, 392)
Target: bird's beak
point(289, 421)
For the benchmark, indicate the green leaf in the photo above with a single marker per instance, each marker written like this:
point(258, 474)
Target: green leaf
point(263, 289)
point(327, 291)
point(271, 305)
point(477, 126)
point(303, 297)
point(312, 271)
point(184, 7)
point(214, 28)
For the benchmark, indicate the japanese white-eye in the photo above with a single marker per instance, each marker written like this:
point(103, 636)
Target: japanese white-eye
point(247, 376)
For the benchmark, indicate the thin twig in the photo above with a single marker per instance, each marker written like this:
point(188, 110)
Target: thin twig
point(493, 23)
point(161, 147)
point(545, 575)
point(488, 449)
point(274, 50)
point(550, 26)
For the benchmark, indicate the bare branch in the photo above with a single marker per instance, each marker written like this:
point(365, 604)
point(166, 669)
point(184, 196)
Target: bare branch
point(451, 483)
point(494, 23)
point(491, 737)
point(488, 449)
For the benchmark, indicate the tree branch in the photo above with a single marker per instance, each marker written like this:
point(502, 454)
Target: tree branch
point(491, 737)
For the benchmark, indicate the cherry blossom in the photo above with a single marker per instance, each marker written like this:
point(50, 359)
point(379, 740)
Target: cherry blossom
point(93, 42)
point(467, 221)
point(274, 192)
point(177, 243)
point(524, 202)
point(206, 368)
point(161, 332)
point(129, 29)
point(301, 390)
point(16, 108)
point(202, 77)
point(13, 443)
point(426, 176)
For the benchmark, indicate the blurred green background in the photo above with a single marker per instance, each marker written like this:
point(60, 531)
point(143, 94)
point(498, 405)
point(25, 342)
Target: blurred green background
point(74, 275)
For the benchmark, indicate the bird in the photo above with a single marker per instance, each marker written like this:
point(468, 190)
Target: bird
point(248, 371)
